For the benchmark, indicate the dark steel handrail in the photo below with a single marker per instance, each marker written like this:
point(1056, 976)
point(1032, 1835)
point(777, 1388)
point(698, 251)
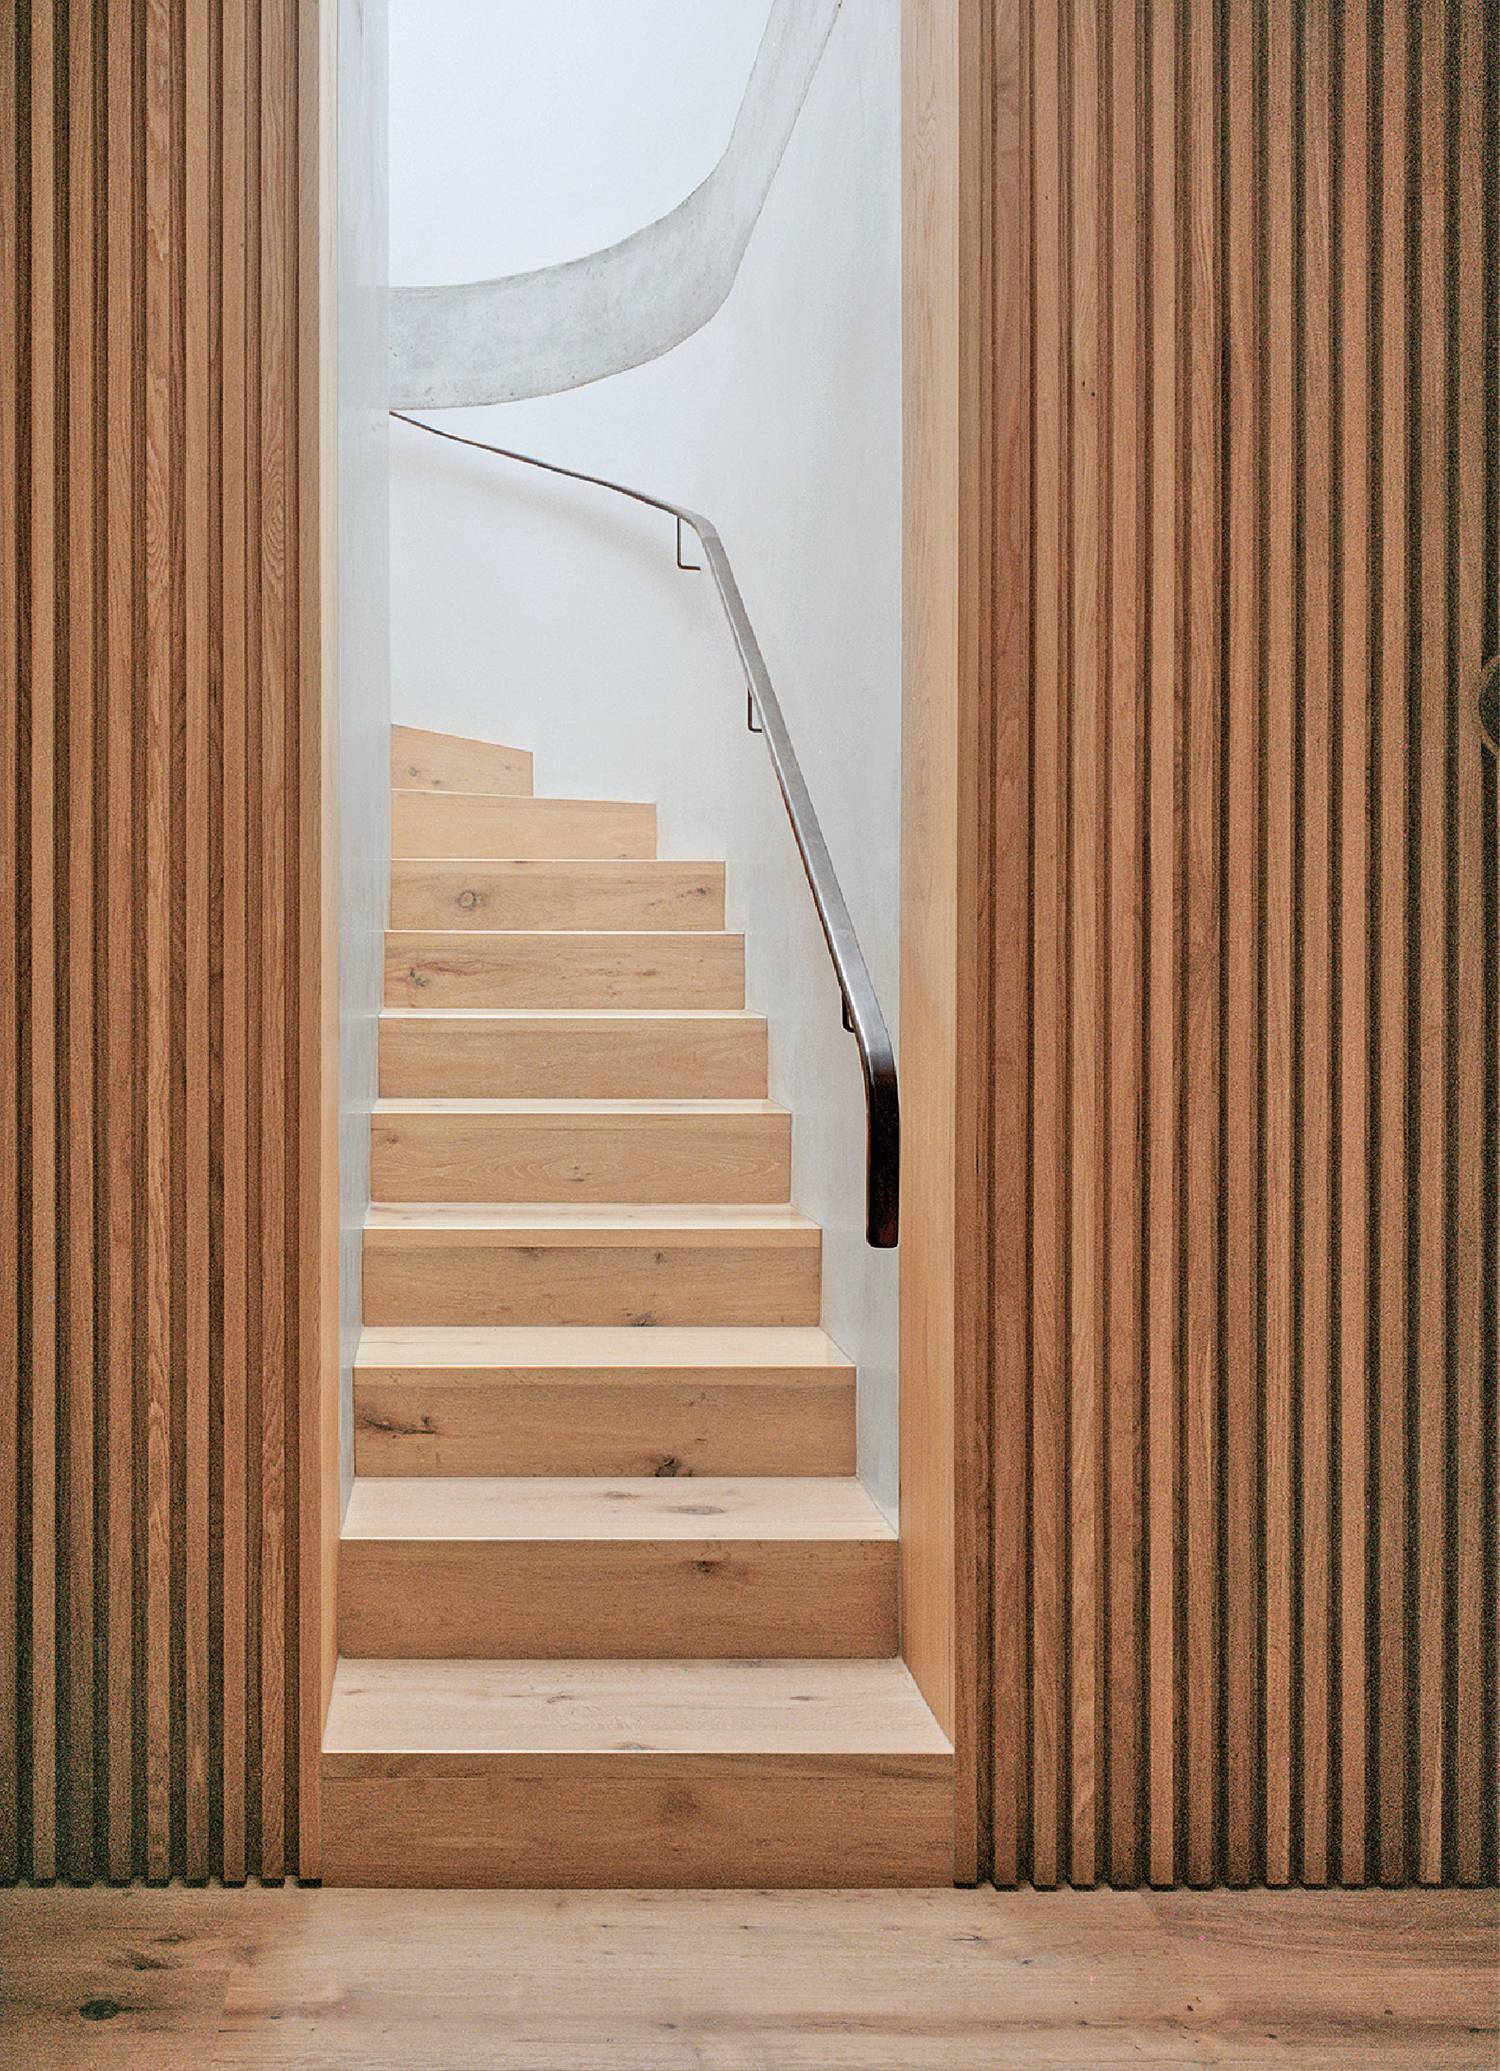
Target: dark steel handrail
point(862, 1015)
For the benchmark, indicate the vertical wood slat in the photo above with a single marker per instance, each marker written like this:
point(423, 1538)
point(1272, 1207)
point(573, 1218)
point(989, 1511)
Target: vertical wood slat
point(1397, 286)
point(272, 466)
point(1432, 1345)
point(161, 593)
point(137, 212)
point(39, 1197)
point(119, 1225)
point(1314, 901)
point(78, 1135)
point(13, 131)
point(234, 1427)
point(1202, 1059)
point(1049, 964)
point(197, 1059)
point(1466, 348)
point(1278, 1149)
point(1355, 1105)
point(1010, 1755)
point(1124, 1403)
point(1164, 896)
point(1305, 428)
point(1244, 432)
point(1084, 422)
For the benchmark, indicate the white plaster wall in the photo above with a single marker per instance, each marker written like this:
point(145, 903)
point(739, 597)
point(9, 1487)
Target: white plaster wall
point(364, 703)
point(553, 615)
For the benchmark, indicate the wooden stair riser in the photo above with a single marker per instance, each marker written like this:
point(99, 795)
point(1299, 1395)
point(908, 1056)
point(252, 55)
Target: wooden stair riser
point(593, 1598)
point(619, 1819)
point(749, 1421)
point(603, 1155)
point(557, 895)
point(440, 824)
point(423, 761)
point(577, 1057)
point(451, 968)
point(662, 1279)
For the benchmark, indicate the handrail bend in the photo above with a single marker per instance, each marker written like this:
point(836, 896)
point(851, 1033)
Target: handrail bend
point(862, 1015)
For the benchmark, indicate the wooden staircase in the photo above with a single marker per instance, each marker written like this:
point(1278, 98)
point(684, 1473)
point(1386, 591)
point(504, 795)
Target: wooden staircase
point(613, 1608)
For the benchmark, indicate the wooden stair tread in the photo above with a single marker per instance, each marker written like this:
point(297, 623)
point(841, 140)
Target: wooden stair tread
point(470, 938)
point(542, 1016)
point(630, 1707)
point(510, 798)
point(587, 1222)
point(601, 1509)
point(482, 1104)
point(597, 1348)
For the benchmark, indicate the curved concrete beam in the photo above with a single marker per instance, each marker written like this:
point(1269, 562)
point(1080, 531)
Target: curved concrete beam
point(535, 334)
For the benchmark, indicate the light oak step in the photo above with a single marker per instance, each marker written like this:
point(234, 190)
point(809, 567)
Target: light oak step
point(454, 968)
point(569, 1264)
point(580, 1150)
point(552, 1567)
point(581, 1053)
point(423, 761)
point(562, 893)
point(622, 1773)
point(458, 823)
point(602, 1401)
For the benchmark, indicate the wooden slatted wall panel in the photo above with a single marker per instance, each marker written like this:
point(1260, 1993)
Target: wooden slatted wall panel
point(159, 900)
point(1245, 1459)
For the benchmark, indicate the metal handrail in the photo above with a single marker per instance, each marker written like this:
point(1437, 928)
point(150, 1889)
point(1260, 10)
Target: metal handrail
point(862, 1015)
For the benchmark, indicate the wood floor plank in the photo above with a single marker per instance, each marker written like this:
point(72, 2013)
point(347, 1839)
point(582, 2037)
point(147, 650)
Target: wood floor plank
point(674, 1981)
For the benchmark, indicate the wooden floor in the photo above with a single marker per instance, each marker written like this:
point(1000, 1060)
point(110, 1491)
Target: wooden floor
point(785, 1981)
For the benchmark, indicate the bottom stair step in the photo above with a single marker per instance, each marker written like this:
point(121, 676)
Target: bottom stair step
point(612, 1773)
